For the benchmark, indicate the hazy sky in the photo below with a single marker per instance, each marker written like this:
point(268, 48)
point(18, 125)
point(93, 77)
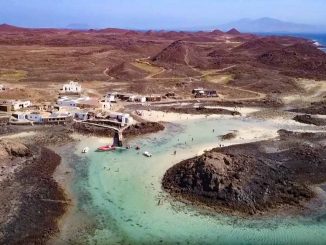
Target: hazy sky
point(156, 14)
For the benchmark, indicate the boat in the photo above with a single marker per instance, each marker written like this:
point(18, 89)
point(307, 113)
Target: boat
point(147, 154)
point(137, 148)
point(85, 150)
point(107, 148)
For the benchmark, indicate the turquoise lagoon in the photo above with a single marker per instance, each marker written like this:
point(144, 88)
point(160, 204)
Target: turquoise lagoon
point(119, 195)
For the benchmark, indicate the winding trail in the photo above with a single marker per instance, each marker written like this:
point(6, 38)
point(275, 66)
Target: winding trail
point(256, 95)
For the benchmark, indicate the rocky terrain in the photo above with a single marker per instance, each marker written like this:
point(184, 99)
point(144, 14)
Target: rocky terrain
point(34, 61)
point(200, 110)
point(31, 201)
point(314, 108)
point(308, 119)
point(252, 178)
point(134, 130)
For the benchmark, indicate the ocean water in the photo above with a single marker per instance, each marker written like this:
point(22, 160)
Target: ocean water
point(120, 198)
point(318, 38)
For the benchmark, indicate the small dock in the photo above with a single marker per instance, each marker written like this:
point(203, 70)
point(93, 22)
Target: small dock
point(118, 131)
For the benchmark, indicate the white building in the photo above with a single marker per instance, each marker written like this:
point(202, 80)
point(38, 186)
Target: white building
point(20, 116)
point(16, 104)
point(105, 105)
point(110, 97)
point(60, 114)
point(132, 98)
point(72, 87)
point(140, 98)
point(123, 118)
point(67, 102)
point(35, 117)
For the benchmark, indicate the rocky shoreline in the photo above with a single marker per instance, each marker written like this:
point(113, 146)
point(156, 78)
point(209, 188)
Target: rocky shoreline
point(253, 178)
point(31, 200)
point(201, 110)
point(132, 131)
point(308, 119)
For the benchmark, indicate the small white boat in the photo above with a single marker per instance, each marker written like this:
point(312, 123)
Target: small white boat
point(85, 150)
point(147, 154)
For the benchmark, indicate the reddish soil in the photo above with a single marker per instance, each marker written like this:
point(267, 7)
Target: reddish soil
point(40, 58)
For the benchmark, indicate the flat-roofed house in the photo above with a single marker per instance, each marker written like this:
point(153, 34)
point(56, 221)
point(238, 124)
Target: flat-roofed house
point(72, 87)
point(15, 104)
point(111, 97)
point(67, 102)
point(123, 118)
point(140, 98)
point(105, 105)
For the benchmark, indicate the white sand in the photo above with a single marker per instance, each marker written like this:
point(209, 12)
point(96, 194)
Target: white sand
point(159, 116)
point(245, 111)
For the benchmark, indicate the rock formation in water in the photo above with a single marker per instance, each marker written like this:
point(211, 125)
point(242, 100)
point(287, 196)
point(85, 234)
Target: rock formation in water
point(248, 178)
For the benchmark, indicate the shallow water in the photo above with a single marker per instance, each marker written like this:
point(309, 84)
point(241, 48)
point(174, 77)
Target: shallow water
point(120, 194)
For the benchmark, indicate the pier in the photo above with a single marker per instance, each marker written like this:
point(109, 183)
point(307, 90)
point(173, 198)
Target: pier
point(118, 131)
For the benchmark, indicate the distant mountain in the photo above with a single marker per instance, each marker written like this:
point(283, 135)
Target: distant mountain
point(272, 25)
point(78, 26)
point(233, 31)
point(10, 28)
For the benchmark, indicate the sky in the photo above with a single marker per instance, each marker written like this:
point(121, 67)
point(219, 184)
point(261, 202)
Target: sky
point(156, 14)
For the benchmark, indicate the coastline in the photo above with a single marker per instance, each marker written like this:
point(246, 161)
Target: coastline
point(64, 174)
point(33, 200)
point(213, 178)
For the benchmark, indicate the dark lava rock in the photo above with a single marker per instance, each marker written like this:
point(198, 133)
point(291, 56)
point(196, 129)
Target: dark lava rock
point(308, 119)
point(250, 179)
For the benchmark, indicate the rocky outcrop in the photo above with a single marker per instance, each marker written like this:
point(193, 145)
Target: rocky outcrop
point(314, 108)
point(31, 201)
point(202, 110)
point(11, 148)
point(308, 119)
point(252, 178)
point(143, 128)
point(133, 130)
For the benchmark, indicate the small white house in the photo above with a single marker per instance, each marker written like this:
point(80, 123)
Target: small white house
point(105, 105)
point(132, 98)
point(123, 118)
point(67, 102)
point(126, 119)
point(110, 97)
point(19, 104)
point(72, 87)
point(141, 99)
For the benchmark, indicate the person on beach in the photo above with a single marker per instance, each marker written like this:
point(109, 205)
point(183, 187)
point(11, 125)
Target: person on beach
point(175, 152)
